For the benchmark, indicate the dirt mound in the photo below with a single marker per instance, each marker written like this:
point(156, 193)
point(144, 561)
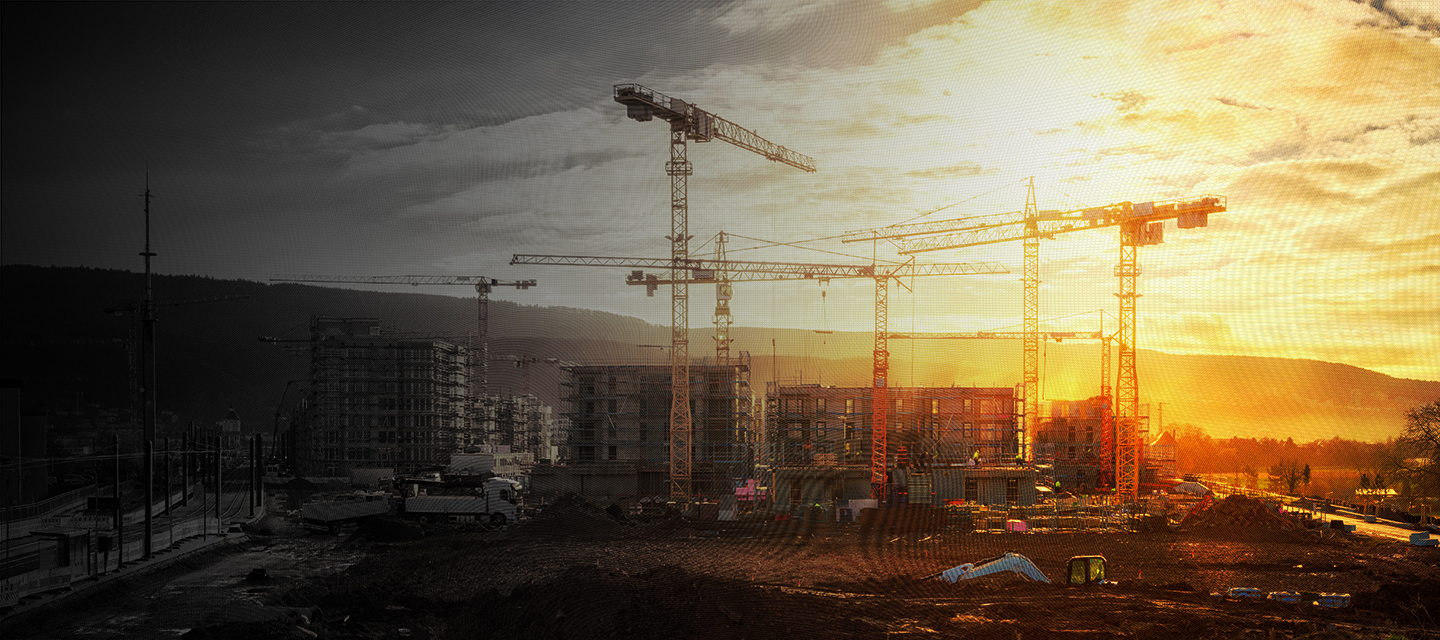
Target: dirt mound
point(1415, 599)
point(1238, 514)
point(572, 516)
point(273, 525)
point(260, 623)
point(386, 529)
point(664, 602)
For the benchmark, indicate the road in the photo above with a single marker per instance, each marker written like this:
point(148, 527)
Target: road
point(1381, 528)
point(1385, 529)
point(171, 601)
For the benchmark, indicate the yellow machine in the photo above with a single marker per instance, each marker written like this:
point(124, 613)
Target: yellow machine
point(1086, 570)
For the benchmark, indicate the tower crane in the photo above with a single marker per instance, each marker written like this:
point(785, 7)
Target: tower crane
point(688, 122)
point(482, 286)
point(701, 271)
point(1140, 224)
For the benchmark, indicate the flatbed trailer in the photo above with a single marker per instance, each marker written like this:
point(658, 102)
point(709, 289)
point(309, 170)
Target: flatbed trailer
point(333, 517)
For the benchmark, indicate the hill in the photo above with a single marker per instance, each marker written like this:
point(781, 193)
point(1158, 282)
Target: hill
point(69, 355)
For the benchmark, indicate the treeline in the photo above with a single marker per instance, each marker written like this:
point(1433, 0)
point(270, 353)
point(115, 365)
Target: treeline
point(1197, 452)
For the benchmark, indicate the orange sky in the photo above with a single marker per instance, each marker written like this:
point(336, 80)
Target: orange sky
point(388, 138)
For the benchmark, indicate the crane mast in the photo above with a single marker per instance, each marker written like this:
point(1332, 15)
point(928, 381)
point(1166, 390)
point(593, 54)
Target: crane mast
point(688, 122)
point(1140, 224)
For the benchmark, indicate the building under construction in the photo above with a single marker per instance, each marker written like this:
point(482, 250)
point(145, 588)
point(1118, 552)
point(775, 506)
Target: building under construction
point(944, 444)
point(1077, 438)
point(816, 425)
point(512, 424)
point(378, 401)
point(618, 416)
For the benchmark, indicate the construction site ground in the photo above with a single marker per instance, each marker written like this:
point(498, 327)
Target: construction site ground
point(576, 571)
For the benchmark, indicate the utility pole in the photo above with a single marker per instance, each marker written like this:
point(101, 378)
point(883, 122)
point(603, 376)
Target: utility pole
point(167, 476)
point(260, 471)
point(147, 377)
point(219, 484)
point(185, 465)
point(119, 512)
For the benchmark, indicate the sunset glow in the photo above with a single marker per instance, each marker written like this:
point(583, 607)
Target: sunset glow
point(446, 139)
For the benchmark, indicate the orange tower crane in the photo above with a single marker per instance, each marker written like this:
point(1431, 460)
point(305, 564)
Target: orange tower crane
point(483, 285)
point(701, 271)
point(687, 123)
point(1140, 224)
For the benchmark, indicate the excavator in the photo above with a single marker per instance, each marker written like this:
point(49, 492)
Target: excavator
point(1081, 570)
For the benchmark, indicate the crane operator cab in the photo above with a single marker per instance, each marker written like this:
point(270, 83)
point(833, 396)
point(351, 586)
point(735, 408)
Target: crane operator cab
point(1087, 570)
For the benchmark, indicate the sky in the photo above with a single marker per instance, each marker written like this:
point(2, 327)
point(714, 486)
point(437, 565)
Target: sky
point(419, 138)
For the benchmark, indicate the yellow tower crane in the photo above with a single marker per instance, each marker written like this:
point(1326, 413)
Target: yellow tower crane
point(1140, 224)
point(689, 123)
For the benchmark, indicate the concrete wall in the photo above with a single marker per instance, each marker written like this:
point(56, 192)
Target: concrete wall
point(819, 485)
point(991, 485)
point(600, 483)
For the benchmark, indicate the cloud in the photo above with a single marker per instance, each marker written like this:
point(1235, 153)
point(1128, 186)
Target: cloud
point(770, 15)
point(1424, 14)
point(952, 171)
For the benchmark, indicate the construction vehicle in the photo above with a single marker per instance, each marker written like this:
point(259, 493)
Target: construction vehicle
point(1008, 562)
point(1080, 570)
point(459, 499)
point(336, 516)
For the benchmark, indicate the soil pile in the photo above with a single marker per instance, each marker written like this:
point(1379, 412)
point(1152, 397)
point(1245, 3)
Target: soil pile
point(662, 603)
point(273, 525)
point(386, 529)
point(572, 516)
point(261, 623)
point(1238, 514)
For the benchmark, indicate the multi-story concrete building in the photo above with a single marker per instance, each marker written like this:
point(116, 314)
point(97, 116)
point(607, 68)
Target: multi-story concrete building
point(1072, 436)
point(621, 414)
point(377, 401)
point(817, 425)
point(944, 445)
point(518, 424)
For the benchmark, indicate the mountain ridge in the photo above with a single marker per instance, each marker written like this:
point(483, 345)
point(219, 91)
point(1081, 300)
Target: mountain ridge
point(210, 358)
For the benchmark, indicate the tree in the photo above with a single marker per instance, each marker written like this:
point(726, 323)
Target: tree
point(1414, 460)
point(1305, 476)
point(1252, 477)
point(1287, 474)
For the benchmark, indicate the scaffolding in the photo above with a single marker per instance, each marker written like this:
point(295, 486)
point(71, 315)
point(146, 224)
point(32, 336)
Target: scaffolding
point(377, 401)
point(814, 425)
point(620, 413)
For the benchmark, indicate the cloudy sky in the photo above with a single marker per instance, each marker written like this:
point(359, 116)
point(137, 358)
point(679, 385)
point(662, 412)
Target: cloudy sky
point(389, 138)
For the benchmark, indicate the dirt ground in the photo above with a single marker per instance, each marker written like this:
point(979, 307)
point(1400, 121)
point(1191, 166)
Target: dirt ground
point(575, 571)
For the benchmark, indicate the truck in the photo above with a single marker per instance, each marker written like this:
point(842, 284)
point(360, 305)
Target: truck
point(333, 517)
point(458, 499)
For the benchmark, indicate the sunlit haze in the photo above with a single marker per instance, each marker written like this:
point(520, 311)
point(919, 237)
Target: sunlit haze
point(386, 138)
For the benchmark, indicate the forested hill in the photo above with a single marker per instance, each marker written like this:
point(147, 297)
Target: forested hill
point(68, 354)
